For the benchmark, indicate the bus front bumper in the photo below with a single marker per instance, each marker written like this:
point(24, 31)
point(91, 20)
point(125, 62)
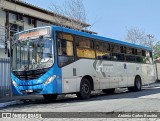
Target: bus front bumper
point(50, 88)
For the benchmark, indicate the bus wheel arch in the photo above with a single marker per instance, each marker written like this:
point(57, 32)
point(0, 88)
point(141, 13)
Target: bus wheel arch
point(86, 85)
point(90, 80)
point(137, 84)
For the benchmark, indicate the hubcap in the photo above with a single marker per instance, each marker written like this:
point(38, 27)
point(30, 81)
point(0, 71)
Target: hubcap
point(85, 89)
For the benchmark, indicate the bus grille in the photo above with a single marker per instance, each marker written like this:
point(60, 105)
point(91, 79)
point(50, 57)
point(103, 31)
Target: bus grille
point(29, 75)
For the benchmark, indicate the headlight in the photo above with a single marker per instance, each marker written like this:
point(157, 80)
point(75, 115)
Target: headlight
point(49, 80)
point(14, 83)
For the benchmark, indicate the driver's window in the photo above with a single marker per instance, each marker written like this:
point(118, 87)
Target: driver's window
point(65, 49)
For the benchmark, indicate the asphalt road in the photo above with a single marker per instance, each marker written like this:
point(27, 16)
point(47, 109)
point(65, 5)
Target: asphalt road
point(147, 100)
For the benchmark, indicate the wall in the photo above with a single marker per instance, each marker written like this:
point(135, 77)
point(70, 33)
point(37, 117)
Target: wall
point(13, 20)
point(5, 81)
point(2, 28)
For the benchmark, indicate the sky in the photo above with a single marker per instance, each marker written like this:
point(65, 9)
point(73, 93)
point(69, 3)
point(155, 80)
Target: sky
point(112, 18)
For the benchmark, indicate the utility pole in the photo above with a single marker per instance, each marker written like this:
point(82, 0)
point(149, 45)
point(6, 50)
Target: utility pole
point(150, 37)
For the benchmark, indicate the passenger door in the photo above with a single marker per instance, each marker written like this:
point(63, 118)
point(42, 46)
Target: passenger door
point(122, 74)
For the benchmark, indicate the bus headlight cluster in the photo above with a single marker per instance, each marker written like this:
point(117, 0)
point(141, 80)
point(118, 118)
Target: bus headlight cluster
point(50, 79)
point(14, 83)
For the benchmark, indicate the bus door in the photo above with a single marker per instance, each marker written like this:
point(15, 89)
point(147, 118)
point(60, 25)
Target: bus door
point(111, 74)
point(103, 73)
point(106, 71)
point(132, 70)
point(122, 74)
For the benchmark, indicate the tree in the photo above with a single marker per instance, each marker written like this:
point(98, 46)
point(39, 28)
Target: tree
point(137, 36)
point(71, 8)
point(156, 49)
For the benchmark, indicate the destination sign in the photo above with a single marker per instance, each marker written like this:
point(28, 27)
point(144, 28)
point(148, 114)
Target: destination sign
point(34, 33)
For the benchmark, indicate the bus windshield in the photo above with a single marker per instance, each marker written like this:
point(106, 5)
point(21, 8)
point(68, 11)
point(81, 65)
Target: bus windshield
point(32, 54)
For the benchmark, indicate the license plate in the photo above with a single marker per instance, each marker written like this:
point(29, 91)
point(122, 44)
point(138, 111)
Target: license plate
point(29, 90)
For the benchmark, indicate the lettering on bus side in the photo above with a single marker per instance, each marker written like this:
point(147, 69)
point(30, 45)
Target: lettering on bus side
point(99, 66)
point(105, 68)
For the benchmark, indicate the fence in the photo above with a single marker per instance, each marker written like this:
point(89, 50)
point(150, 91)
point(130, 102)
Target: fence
point(5, 80)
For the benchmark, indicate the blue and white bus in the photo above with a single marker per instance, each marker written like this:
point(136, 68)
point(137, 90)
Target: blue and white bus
point(54, 60)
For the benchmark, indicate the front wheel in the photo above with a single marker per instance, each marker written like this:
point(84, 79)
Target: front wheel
point(85, 89)
point(50, 97)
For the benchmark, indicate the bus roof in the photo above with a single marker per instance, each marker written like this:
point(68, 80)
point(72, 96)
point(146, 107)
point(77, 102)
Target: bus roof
point(76, 32)
point(57, 28)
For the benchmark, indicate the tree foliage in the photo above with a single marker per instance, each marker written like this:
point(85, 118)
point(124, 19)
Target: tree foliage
point(137, 36)
point(156, 49)
point(71, 8)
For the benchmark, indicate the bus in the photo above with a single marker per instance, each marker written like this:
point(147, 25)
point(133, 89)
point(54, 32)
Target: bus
point(53, 60)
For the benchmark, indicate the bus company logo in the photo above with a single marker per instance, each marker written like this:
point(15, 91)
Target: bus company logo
point(102, 68)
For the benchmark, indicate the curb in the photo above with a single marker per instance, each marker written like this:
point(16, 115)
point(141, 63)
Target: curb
point(5, 104)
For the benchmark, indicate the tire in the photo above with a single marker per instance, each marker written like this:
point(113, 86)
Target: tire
point(85, 89)
point(50, 97)
point(137, 85)
point(109, 91)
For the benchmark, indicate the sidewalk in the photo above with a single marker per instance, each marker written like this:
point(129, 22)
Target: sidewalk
point(6, 101)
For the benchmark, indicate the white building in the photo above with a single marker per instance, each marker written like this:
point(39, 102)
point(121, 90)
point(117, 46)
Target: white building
point(16, 15)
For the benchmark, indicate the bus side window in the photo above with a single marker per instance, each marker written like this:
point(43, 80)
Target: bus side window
point(65, 50)
point(135, 51)
point(139, 52)
point(63, 47)
point(148, 58)
point(117, 52)
point(85, 48)
point(125, 50)
point(102, 50)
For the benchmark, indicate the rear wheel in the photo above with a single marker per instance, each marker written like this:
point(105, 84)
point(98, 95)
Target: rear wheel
point(137, 85)
point(50, 97)
point(109, 91)
point(85, 89)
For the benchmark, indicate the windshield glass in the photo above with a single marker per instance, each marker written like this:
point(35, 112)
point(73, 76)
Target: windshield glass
point(32, 54)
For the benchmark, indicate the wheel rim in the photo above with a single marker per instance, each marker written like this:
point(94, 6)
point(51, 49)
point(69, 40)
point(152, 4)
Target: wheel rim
point(85, 89)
